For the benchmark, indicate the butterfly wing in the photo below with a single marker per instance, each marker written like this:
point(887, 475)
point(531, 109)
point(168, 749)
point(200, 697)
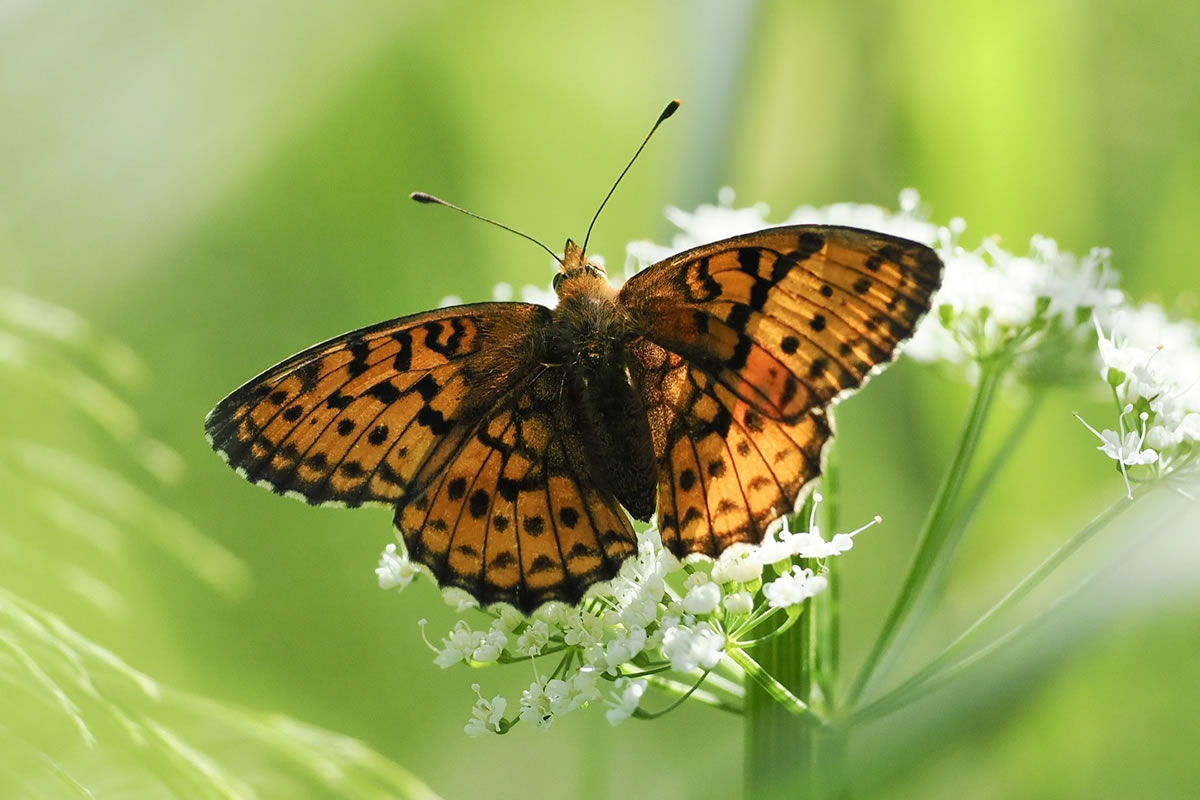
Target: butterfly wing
point(374, 415)
point(447, 417)
point(515, 516)
point(744, 342)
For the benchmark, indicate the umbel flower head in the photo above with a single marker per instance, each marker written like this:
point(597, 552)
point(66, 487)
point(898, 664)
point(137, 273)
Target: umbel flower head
point(658, 618)
point(1152, 366)
point(992, 303)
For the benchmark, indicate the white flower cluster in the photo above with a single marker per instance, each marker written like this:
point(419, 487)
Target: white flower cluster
point(657, 616)
point(995, 304)
point(709, 223)
point(1152, 365)
point(991, 303)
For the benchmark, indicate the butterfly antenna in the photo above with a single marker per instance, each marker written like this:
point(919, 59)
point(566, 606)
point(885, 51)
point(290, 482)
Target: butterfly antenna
point(422, 197)
point(667, 112)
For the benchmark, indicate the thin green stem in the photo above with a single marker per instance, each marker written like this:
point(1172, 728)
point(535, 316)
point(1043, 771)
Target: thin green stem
point(934, 532)
point(949, 659)
point(780, 693)
point(936, 582)
point(752, 623)
point(691, 690)
point(775, 634)
point(829, 604)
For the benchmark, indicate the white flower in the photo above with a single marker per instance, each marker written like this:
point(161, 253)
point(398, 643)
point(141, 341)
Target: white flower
point(794, 587)
point(739, 603)
point(703, 596)
point(486, 716)
point(1124, 448)
point(1152, 365)
point(736, 566)
point(395, 571)
point(576, 692)
point(775, 547)
point(708, 223)
point(460, 645)
point(623, 647)
point(687, 647)
point(992, 301)
point(534, 638)
point(625, 700)
point(489, 646)
point(535, 706)
point(583, 628)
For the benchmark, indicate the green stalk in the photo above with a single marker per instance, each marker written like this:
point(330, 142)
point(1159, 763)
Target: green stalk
point(829, 604)
point(790, 750)
point(935, 583)
point(933, 534)
point(778, 732)
point(951, 659)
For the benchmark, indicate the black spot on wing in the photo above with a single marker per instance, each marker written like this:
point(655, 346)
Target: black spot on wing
point(434, 420)
point(378, 435)
point(385, 392)
point(479, 504)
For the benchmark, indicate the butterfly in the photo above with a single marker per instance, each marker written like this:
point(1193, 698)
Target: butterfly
point(507, 437)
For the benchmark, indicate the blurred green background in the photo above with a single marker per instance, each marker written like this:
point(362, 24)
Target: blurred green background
point(218, 185)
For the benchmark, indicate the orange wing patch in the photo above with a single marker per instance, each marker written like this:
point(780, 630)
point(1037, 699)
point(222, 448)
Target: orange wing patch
point(788, 318)
point(371, 416)
point(513, 516)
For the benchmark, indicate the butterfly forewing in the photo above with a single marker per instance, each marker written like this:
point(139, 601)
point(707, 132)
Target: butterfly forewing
point(745, 343)
point(787, 318)
point(373, 415)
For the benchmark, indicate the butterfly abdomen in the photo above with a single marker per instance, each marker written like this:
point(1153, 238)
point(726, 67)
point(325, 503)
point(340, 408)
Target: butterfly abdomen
point(617, 434)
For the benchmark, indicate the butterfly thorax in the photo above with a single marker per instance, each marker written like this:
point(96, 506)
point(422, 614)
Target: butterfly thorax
point(589, 330)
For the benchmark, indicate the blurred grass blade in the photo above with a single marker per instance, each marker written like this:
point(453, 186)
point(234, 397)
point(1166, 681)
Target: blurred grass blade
point(80, 722)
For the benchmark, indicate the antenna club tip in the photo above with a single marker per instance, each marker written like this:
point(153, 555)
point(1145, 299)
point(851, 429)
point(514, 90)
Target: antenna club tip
point(671, 108)
point(422, 197)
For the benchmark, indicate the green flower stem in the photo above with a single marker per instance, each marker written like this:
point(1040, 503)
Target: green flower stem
point(936, 582)
point(950, 661)
point(790, 750)
point(685, 691)
point(764, 680)
point(829, 603)
point(934, 533)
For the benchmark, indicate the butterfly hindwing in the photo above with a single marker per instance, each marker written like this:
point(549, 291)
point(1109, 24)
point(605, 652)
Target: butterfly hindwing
point(515, 516)
point(725, 470)
point(787, 318)
point(371, 416)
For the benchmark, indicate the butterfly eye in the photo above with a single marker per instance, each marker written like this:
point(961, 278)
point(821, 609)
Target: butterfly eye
point(558, 279)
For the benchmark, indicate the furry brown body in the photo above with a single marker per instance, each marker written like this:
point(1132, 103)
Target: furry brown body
point(587, 344)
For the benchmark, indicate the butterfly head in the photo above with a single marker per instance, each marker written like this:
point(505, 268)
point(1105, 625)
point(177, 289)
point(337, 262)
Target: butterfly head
point(579, 274)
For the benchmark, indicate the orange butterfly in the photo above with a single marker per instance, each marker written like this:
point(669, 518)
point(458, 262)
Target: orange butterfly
point(507, 436)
